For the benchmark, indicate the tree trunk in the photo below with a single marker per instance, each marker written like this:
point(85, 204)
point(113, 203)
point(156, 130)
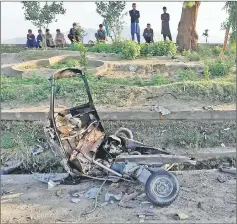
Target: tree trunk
point(187, 37)
point(227, 31)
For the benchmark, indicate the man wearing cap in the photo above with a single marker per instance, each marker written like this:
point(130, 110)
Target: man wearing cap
point(135, 29)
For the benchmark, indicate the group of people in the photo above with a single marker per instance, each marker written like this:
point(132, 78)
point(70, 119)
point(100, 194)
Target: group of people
point(148, 33)
point(45, 39)
point(101, 35)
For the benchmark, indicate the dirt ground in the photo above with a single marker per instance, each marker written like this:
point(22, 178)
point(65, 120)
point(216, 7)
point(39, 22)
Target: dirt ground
point(141, 104)
point(202, 198)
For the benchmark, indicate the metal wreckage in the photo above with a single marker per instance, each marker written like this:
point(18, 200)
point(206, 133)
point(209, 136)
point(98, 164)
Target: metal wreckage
point(77, 137)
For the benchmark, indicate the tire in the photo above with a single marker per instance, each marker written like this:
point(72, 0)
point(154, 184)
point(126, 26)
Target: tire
point(169, 184)
point(124, 132)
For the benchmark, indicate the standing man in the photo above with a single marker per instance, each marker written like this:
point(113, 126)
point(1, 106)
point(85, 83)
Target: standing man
point(165, 18)
point(135, 15)
point(148, 34)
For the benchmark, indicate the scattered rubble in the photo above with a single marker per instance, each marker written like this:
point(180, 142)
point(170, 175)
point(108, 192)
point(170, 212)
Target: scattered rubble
point(230, 170)
point(128, 197)
point(109, 197)
point(92, 193)
point(132, 68)
point(75, 200)
point(180, 216)
point(45, 178)
point(52, 184)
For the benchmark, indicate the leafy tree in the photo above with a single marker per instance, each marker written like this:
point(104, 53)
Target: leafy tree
point(112, 12)
point(205, 34)
point(229, 24)
point(187, 37)
point(42, 16)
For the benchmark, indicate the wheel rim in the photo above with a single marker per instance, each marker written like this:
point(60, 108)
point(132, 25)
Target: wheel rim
point(162, 187)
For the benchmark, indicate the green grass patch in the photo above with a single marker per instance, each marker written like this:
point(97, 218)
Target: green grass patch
point(219, 67)
point(188, 75)
point(116, 91)
point(17, 141)
point(130, 50)
point(70, 63)
point(8, 48)
point(223, 91)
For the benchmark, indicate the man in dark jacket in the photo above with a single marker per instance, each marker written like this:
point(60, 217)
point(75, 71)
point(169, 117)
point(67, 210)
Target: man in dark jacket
point(165, 18)
point(148, 34)
point(101, 34)
point(73, 35)
point(135, 15)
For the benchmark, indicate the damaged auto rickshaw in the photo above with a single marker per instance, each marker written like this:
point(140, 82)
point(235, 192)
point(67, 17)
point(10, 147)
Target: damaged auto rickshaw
point(77, 137)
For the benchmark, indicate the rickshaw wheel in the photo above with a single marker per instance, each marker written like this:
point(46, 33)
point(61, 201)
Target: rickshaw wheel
point(124, 132)
point(162, 188)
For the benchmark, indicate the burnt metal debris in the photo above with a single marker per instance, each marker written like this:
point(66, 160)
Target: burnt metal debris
point(77, 137)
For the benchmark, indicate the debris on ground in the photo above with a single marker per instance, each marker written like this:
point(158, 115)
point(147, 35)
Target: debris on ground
point(45, 178)
point(104, 204)
point(129, 197)
point(207, 108)
point(160, 109)
point(59, 193)
point(132, 68)
point(180, 216)
point(199, 205)
point(147, 212)
point(52, 184)
point(92, 193)
point(113, 197)
point(77, 194)
point(230, 170)
point(145, 202)
point(126, 205)
point(75, 200)
point(116, 185)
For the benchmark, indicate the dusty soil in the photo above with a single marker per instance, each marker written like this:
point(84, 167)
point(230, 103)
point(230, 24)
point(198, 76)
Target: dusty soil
point(202, 198)
point(141, 105)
